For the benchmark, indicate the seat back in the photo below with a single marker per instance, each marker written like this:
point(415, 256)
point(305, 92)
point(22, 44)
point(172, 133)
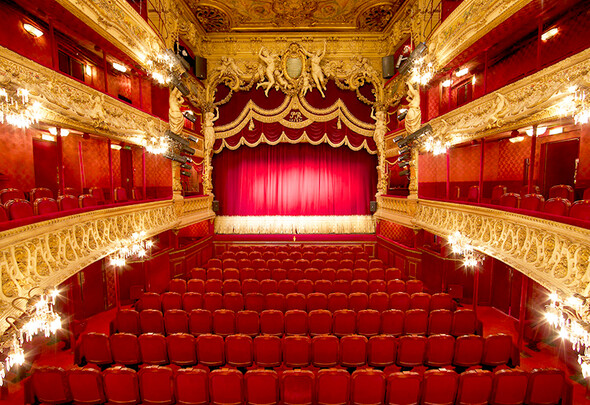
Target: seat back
point(247, 323)
point(440, 350)
point(392, 322)
point(353, 351)
point(344, 322)
point(177, 285)
point(532, 202)
point(120, 194)
point(367, 386)
point(121, 386)
point(509, 387)
point(239, 351)
point(272, 322)
point(440, 321)
point(325, 351)
point(200, 322)
point(67, 202)
point(463, 322)
point(191, 386)
point(439, 386)
point(155, 385)
point(534, 189)
point(411, 350)
point(224, 322)
point(497, 350)
point(127, 321)
point(557, 206)
point(45, 205)
point(153, 349)
point(137, 193)
point(368, 322)
point(8, 194)
point(87, 201)
point(150, 300)
point(468, 350)
point(473, 194)
point(403, 388)
point(181, 349)
point(176, 321)
point(96, 348)
point(296, 322)
point(581, 210)
point(51, 385)
point(86, 386)
point(19, 209)
point(416, 322)
point(97, 193)
point(332, 386)
point(261, 387)
point(151, 321)
point(226, 386)
point(381, 351)
point(475, 387)
point(441, 301)
point(296, 351)
point(545, 386)
point(210, 350)
point(267, 351)
point(511, 200)
point(497, 192)
point(562, 191)
point(125, 349)
point(297, 387)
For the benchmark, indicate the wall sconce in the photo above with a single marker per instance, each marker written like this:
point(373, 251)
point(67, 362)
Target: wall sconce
point(32, 30)
point(549, 34)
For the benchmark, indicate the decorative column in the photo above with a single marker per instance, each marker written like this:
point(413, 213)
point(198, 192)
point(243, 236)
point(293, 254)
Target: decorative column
point(209, 117)
point(413, 122)
point(379, 137)
point(176, 123)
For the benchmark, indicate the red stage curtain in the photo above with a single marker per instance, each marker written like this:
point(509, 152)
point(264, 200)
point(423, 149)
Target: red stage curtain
point(294, 179)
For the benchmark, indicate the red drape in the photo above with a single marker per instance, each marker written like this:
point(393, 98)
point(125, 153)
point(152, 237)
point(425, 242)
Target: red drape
point(294, 179)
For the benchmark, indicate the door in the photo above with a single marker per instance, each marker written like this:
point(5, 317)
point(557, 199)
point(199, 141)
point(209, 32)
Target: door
point(92, 289)
point(559, 163)
point(127, 170)
point(45, 163)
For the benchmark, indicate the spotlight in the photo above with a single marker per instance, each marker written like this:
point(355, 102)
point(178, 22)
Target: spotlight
point(185, 173)
point(403, 164)
point(405, 150)
point(405, 156)
point(177, 138)
point(405, 172)
point(53, 131)
point(189, 115)
point(402, 114)
point(34, 31)
point(120, 67)
point(64, 132)
point(398, 138)
point(180, 86)
point(462, 72)
point(193, 139)
point(549, 34)
point(176, 158)
point(188, 150)
point(416, 54)
point(185, 166)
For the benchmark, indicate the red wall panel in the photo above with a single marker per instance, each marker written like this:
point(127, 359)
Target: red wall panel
point(16, 163)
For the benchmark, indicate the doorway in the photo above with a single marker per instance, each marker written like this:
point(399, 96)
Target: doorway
point(559, 162)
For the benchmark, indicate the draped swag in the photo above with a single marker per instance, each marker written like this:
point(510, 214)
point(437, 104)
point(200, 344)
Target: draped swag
point(294, 179)
point(250, 118)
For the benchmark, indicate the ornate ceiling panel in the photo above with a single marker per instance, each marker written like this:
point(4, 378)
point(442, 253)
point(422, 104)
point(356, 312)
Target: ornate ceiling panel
point(294, 15)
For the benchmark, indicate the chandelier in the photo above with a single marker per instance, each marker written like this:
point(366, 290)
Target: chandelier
point(157, 145)
point(38, 316)
point(461, 245)
point(134, 248)
point(571, 319)
point(16, 108)
point(436, 146)
point(422, 72)
point(576, 104)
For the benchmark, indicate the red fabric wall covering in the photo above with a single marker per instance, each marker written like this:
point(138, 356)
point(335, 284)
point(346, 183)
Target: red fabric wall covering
point(136, 153)
point(315, 131)
point(72, 175)
point(159, 176)
point(397, 233)
point(95, 158)
point(16, 163)
point(298, 179)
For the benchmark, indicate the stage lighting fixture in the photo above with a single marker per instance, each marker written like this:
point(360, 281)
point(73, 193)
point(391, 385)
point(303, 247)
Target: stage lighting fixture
point(188, 150)
point(416, 54)
point(178, 61)
point(177, 138)
point(402, 114)
point(404, 150)
point(180, 86)
point(189, 115)
point(398, 138)
point(405, 172)
point(185, 166)
point(405, 156)
point(34, 31)
point(185, 173)
point(193, 139)
point(403, 164)
point(176, 158)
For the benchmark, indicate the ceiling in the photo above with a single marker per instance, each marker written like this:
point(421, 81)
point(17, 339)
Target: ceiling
point(294, 15)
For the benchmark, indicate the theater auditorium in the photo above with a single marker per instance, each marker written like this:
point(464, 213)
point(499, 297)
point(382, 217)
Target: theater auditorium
point(294, 202)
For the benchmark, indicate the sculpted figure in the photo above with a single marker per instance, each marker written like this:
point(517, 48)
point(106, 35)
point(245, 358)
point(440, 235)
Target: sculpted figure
point(175, 117)
point(414, 117)
point(269, 59)
point(379, 136)
point(316, 70)
point(208, 130)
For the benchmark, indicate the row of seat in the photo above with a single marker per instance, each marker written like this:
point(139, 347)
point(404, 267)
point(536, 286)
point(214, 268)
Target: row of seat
point(556, 206)
point(366, 322)
point(238, 350)
point(288, 263)
point(270, 251)
point(379, 301)
point(119, 195)
point(195, 386)
point(294, 274)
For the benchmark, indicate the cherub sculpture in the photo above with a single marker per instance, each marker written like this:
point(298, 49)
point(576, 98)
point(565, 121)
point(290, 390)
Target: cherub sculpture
point(269, 59)
point(316, 70)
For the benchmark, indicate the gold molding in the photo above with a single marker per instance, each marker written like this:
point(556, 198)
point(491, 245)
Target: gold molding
point(294, 225)
point(44, 254)
point(467, 24)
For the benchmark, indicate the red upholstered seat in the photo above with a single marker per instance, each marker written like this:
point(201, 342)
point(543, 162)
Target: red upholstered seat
point(319, 322)
point(261, 387)
point(511, 200)
point(98, 194)
point(19, 209)
point(336, 301)
point(279, 274)
point(323, 286)
point(532, 202)
point(71, 191)
point(440, 321)
point(120, 194)
point(121, 386)
point(243, 262)
point(376, 273)
point(171, 300)
point(358, 301)
point(210, 350)
point(96, 348)
point(439, 387)
point(562, 191)
point(275, 301)
point(87, 201)
point(381, 351)
point(581, 210)
point(268, 351)
point(214, 262)
point(394, 286)
point(360, 273)
point(497, 350)
point(475, 387)
point(212, 301)
point(296, 351)
point(86, 386)
point(272, 322)
point(440, 350)
point(226, 386)
point(254, 302)
point(216, 274)
point(250, 286)
point(137, 193)
point(293, 273)
point(273, 263)
point(224, 322)
point(325, 351)
point(247, 273)
point(125, 349)
point(312, 274)
point(45, 205)
point(509, 387)
point(150, 300)
point(557, 206)
point(316, 300)
point(377, 286)
point(67, 202)
point(332, 386)
point(473, 194)
point(360, 262)
point(344, 322)
point(420, 300)
point(441, 301)
point(213, 285)
point(199, 273)
point(192, 300)
point(463, 322)
point(296, 322)
point(153, 348)
point(296, 301)
point(151, 321)
point(379, 301)
point(181, 349)
point(247, 323)
point(200, 322)
point(368, 322)
point(191, 386)
point(411, 350)
point(177, 285)
point(545, 387)
point(468, 350)
point(303, 264)
point(534, 189)
point(392, 322)
point(497, 192)
point(8, 194)
point(367, 387)
point(341, 286)
point(353, 351)
point(229, 263)
point(239, 351)
point(231, 274)
point(359, 286)
point(233, 301)
point(262, 273)
point(414, 286)
point(155, 385)
point(297, 387)
point(127, 321)
point(344, 273)
point(403, 388)
point(50, 386)
point(305, 287)
point(416, 322)
point(393, 273)
point(287, 287)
